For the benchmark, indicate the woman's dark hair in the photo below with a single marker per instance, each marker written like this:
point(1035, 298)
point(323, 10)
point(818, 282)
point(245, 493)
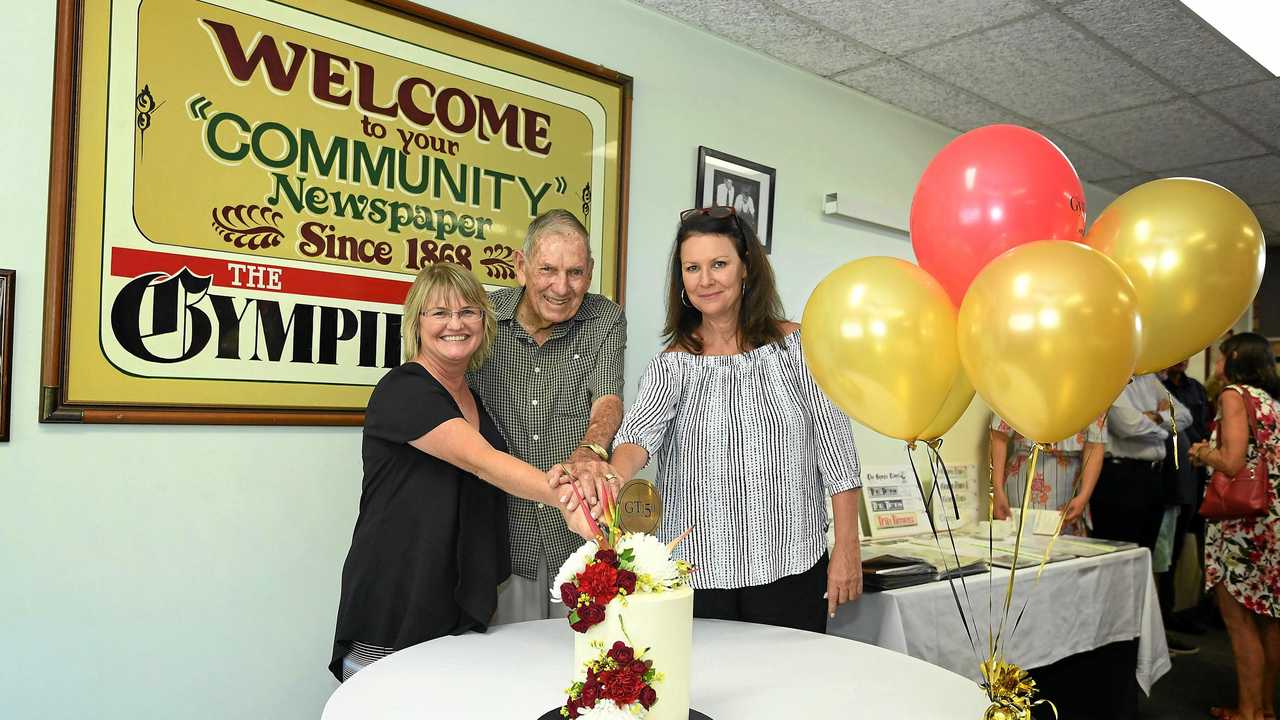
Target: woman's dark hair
point(760, 316)
point(1251, 361)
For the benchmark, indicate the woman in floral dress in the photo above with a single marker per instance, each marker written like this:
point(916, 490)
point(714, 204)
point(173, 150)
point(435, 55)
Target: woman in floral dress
point(1066, 472)
point(1242, 557)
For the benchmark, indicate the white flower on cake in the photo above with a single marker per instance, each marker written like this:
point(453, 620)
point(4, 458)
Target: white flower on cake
point(652, 563)
point(576, 563)
point(608, 710)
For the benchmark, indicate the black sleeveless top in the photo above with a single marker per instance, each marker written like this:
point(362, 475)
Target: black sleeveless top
point(430, 542)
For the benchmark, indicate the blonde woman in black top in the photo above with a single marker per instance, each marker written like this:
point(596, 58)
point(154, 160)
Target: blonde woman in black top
point(430, 543)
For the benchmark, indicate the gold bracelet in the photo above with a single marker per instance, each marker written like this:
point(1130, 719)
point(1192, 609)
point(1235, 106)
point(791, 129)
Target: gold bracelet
point(597, 450)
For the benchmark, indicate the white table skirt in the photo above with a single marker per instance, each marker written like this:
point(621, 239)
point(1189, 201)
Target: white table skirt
point(1079, 605)
point(740, 671)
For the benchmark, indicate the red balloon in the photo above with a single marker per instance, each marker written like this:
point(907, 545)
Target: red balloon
point(987, 191)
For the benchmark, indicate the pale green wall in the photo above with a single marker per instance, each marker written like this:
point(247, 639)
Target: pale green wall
point(152, 572)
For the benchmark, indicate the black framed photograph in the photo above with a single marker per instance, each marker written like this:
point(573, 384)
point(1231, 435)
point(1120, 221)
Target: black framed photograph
point(745, 186)
point(6, 349)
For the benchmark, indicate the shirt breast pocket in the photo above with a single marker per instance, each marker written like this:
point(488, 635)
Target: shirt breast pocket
point(573, 396)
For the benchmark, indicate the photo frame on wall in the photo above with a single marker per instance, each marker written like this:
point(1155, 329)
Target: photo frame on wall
point(746, 186)
point(6, 350)
point(232, 235)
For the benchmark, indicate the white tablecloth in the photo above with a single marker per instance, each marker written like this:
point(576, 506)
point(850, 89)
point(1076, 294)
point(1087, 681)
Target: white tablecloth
point(740, 671)
point(1079, 605)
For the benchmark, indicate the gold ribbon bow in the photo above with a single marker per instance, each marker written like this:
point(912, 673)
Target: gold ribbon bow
point(1011, 690)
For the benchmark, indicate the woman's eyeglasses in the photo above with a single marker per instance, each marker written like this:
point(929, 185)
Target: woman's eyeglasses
point(466, 314)
point(716, 212)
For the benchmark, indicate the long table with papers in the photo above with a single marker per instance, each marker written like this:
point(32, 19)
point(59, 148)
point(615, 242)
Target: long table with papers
point(1091, 593)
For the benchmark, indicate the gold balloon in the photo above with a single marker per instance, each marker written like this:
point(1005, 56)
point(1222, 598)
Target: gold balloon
point(1195, 254)
point(1049, 333)
point(953, 406)
point(879, 337)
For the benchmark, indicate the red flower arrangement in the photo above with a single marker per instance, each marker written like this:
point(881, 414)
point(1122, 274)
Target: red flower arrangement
point(618, 675)
point(604, 578)
point(611, 571)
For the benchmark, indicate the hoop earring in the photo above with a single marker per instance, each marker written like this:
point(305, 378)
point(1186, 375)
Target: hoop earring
point(684, 300)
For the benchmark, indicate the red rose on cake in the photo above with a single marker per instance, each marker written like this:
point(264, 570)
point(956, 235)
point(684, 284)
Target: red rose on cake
point(600, 581)
point(621, 653)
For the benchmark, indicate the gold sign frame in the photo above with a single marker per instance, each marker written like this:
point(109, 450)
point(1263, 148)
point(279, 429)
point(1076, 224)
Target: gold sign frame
point(241, 191)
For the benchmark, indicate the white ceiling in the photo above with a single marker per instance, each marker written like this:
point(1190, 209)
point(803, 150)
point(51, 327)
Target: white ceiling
point(1131, 90)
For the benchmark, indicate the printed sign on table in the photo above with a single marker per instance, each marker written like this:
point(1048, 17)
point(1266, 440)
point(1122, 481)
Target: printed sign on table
point(892, 502)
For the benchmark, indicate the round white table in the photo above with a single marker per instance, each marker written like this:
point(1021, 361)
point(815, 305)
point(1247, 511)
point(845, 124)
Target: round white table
point(740, 671)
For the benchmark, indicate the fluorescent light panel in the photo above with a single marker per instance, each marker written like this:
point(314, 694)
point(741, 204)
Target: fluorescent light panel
point(1250, 24)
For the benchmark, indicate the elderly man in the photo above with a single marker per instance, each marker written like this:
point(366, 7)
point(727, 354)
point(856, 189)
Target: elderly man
point(553, 384)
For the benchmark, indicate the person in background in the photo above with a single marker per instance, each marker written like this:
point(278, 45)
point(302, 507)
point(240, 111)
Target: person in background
point(1131, 502)
point(748, 447)
point(1184, 484)
point(554, 385)
point(725, 192)
point(1128, 503)
point(1066, 473)
point(745, 206)
point(1191, 394)
point(1242, 556)
point(1215, 382)
point(429, 546)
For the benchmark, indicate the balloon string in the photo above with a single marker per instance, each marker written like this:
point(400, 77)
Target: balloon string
point(1173, 420)
point(991, 543)
point(1017, 548)
point(950, 580)
point(933, 469)
point(1084, 462)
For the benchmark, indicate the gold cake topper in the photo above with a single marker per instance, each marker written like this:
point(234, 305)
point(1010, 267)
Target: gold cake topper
point(639, 507)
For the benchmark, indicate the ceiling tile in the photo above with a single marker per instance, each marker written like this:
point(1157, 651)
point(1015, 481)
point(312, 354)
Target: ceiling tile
point(1255, 179)
point(1089, 164)
point(897, 84)
point(772, 30)
point(895, 27)
point(1043, 68)
point(1160, 137)
point(1169, 39)
point(1268, 216)
point(1255, 108)
point(1123, 185)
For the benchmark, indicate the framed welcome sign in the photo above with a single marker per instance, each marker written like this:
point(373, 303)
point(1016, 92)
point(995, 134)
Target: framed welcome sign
point(243, 190)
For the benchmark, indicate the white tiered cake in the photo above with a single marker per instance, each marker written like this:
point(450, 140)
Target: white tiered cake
point(632, 612)
point(661, 622)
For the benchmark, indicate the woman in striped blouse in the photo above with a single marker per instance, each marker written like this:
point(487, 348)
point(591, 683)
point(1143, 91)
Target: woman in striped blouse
point(747, 445)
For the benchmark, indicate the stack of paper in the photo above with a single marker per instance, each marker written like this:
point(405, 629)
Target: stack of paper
point(944, 562)
point(886, 572)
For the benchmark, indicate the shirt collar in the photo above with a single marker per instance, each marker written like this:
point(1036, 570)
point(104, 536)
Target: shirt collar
point(505, 302)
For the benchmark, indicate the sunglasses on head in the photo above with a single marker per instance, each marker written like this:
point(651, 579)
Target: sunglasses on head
point(716, 212)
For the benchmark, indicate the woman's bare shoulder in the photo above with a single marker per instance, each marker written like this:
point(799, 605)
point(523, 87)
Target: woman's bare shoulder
point(1231, 397)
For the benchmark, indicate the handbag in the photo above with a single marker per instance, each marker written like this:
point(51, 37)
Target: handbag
point(1245, 495)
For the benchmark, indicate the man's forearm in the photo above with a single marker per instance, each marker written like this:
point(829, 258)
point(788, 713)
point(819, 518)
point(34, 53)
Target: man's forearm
point(606, 418)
